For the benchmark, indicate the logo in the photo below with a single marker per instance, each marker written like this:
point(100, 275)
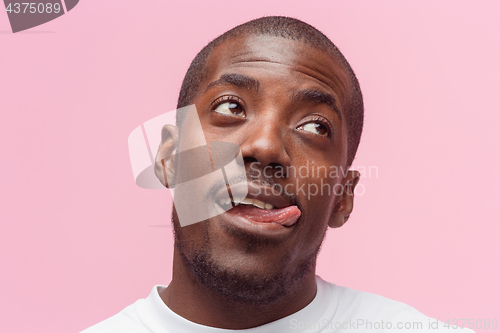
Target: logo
point(199, 171)
point(26, 15)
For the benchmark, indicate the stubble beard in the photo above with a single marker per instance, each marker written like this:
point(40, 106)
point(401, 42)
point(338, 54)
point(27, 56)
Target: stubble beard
point(234, 285)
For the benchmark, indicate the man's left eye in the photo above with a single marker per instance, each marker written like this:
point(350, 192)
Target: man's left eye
point(231, 109)
point(316, 128)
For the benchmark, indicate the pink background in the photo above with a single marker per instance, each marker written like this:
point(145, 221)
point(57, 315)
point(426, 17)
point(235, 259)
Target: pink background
point(77, 243)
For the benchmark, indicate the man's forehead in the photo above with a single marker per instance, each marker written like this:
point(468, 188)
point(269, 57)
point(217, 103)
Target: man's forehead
point(260, 48)
point(249, 51)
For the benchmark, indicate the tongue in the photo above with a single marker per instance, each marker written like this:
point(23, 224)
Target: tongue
point(286, 216)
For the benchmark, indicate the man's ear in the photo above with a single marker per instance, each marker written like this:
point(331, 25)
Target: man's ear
point(164, 161)
point(345, 202)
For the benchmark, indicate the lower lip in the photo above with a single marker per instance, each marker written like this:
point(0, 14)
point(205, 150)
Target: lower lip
point(286, 216)
point(262, 221)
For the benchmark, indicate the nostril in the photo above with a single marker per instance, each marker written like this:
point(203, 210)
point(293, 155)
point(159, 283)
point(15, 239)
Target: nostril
point(278, 169)
point(249, 159)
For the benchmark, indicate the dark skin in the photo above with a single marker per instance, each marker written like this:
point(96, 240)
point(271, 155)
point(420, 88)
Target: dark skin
point(283, 102)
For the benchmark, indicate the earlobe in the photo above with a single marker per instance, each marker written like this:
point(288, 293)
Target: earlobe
point(164, 161)
point(345, 203)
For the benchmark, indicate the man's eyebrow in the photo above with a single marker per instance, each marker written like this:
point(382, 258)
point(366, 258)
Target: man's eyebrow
point(316, 97)
point(238, 80)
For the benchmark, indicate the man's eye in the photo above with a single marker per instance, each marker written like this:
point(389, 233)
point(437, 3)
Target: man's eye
point(231, 109)
point(316, 128)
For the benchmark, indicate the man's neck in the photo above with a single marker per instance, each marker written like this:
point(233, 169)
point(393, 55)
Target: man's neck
point(190, 299)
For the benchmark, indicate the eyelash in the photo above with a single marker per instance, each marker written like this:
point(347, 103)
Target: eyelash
point(323, 122)
point(225, 99)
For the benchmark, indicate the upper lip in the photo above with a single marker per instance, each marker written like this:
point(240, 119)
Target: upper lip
point(255, 191)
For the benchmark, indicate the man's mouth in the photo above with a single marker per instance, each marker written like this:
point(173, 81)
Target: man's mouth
point(260, 206)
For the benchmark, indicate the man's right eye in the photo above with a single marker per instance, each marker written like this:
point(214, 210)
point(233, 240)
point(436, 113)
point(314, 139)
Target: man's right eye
point(230, 108)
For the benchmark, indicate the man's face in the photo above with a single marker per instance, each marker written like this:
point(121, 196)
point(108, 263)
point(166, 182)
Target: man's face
point(282, 102)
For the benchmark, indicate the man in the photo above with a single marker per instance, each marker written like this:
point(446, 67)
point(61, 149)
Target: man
point(280, 90)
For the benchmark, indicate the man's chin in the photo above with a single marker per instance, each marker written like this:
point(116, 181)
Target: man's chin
point(243, 285)
point(243, 276)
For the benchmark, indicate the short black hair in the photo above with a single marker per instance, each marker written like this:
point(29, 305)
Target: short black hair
point(289, 28)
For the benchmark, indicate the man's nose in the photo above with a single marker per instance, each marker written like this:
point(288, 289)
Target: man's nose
point(265, 144)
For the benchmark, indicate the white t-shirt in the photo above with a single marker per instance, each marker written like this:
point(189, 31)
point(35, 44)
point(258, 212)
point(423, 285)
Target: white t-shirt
point(334, 309)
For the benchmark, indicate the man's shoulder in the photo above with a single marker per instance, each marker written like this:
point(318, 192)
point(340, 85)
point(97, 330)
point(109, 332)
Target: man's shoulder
point(362, 310)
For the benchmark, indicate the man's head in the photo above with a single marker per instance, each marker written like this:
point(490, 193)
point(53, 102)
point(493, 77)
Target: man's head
point(288, 28)
point(283, 93)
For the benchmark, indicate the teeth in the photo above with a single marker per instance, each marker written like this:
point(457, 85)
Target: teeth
point(247, 201)
point(259, 203)
point(256, 203)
